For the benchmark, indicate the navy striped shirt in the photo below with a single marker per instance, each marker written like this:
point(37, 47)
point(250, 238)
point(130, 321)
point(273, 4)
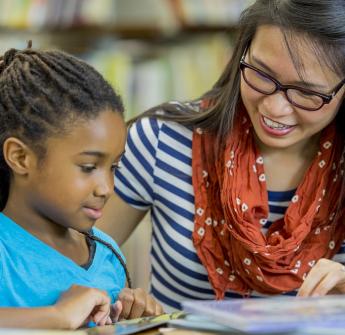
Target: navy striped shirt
point(156, 174)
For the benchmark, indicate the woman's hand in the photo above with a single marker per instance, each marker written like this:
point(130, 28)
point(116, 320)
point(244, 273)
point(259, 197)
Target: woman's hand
point(80, 305)
point(326, 277)
point(136, 303)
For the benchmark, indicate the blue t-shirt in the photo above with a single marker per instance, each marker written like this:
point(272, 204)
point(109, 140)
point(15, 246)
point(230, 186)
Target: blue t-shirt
point(34, 274)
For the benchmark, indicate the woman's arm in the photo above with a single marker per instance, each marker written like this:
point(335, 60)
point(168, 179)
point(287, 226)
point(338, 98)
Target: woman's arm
point(75, 308)
point(119, 219)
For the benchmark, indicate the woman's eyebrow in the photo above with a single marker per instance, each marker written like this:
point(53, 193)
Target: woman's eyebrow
point(297, 82)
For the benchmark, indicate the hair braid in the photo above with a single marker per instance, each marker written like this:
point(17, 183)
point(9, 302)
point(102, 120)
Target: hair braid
point(41, 93)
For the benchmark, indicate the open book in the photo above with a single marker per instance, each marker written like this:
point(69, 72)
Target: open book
point(274, 315)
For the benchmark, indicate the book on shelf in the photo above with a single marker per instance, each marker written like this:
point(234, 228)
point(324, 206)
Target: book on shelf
point(165, 15)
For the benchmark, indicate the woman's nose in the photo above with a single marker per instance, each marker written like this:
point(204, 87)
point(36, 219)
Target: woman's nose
point(277, 104)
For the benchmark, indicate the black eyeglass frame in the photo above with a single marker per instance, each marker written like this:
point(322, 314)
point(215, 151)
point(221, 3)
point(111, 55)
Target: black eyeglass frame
point(326, 98)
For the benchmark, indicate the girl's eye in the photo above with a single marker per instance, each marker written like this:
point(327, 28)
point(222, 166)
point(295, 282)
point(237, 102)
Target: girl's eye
point(115, 167)
point(87, 168)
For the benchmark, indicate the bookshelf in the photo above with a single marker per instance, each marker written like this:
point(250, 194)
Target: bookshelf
point(150, 50)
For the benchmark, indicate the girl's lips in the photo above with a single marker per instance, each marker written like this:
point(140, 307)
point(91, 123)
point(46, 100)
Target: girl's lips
point(275, 131)
point(92, 213)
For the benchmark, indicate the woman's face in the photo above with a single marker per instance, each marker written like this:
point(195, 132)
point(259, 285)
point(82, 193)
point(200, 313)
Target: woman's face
point(278, 123)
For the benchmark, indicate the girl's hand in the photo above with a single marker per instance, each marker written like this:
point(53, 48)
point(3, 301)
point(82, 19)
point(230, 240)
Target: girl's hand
point(137, 303)
point(115, 311)
point(326, 277)
point(80, 305)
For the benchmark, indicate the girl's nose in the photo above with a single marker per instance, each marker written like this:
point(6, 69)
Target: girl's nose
point(104, 187)
point(277, 105)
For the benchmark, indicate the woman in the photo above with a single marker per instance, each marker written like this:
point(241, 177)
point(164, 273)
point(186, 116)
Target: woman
point(245, 185)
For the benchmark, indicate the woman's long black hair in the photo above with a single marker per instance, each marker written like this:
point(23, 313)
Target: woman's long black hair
point(320, 23)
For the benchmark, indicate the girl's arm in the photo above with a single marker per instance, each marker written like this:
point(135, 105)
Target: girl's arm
point(44, 317)
point(75, 308)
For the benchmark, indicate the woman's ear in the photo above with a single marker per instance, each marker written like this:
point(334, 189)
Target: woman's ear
point(18, 155)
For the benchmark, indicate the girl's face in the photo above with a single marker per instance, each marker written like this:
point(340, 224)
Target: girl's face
point(277, 123)
point(76, 177)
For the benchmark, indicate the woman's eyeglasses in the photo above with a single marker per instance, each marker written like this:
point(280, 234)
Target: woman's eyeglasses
point(300, 97)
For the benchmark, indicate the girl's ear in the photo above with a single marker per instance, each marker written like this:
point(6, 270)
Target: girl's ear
point(18, 155)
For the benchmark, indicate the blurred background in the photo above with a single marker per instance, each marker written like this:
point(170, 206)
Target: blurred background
point(151, 51)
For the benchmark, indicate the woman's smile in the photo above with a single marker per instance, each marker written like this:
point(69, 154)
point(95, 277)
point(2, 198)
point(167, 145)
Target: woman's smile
point(275, 128)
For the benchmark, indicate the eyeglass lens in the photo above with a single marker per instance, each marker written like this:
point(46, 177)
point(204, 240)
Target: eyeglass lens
point(265, 85)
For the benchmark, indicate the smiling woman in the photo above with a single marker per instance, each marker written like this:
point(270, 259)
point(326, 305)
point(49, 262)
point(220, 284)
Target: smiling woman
point(288, 120)
point(62, 135)
point(246, 184)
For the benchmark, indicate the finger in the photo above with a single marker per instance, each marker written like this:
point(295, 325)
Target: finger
point(308, 285)
point(322, 269)
point(159, 309)
point(127, 299)
point(326, 284)
point(109, 321)
point(100, 317)
point(138, 307)
point(102, 309)
point(333, 280)
point(316, 274)
point(100, 314)
point(150, 308)
point(102, 301)
point(116, 310)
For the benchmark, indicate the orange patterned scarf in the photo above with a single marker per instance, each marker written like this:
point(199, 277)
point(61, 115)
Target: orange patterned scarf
point(231, 206)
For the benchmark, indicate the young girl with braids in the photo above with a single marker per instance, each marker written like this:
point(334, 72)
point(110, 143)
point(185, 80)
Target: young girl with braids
point(246, 185)
point(62, 135)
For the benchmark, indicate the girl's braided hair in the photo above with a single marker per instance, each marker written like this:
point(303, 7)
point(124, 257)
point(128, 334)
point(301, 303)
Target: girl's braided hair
point(41, 94)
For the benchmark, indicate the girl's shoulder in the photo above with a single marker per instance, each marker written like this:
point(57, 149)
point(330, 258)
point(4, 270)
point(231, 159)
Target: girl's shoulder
point(106, 238)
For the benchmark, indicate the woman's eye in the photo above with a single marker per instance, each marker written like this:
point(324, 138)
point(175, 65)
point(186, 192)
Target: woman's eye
point(87, 168)
point(262, 77)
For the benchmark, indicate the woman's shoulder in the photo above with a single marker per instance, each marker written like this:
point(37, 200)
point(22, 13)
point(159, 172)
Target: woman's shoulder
point(154, 125)
point(160, 122)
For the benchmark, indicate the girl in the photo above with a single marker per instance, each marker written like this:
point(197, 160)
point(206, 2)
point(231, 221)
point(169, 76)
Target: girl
point(62, 135)
point(246, 185)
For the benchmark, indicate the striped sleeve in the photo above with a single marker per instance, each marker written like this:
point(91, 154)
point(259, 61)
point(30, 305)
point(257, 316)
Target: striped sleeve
point(134, 179)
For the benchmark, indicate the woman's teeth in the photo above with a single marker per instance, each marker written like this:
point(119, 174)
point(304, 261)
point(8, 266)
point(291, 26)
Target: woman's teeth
point(275, 125)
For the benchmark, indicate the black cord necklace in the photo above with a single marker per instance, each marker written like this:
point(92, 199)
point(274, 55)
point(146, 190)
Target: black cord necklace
point(118, 256)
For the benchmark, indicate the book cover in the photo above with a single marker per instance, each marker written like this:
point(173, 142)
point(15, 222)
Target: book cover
point(273, 315)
